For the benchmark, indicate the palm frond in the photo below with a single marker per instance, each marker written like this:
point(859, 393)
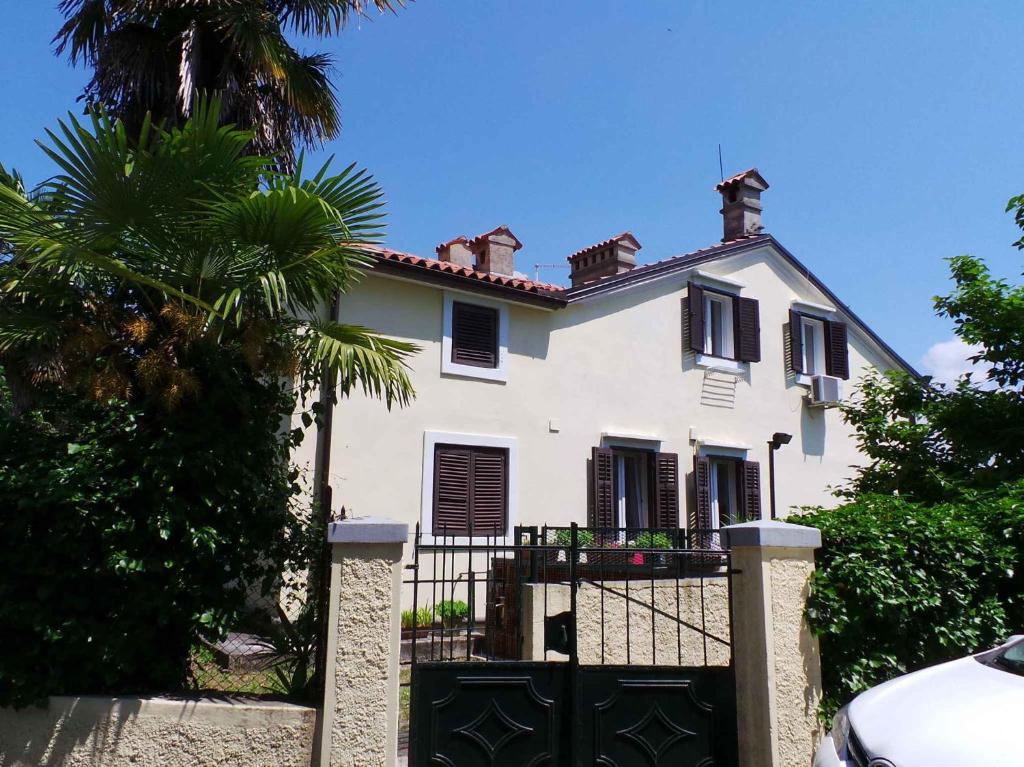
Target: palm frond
point(361, 358)
point(326, 17)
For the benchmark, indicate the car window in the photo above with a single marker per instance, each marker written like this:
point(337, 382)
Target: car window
point(1010, 658)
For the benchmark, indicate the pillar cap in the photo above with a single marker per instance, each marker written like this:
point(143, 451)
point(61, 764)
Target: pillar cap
point(367, 530)
point(771, 534)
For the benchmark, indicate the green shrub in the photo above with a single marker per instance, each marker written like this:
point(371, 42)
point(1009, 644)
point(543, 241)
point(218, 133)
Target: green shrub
point(653, 541)
point(452, 612)
point(128, 532)
point(901, 585)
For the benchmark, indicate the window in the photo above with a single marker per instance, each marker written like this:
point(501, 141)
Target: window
point(818, 346)
point(474, 335)
point(633, 488)
point(813, 342)
point(470, 491)
point(727, 490)
point(718, 329)
point(723, 326)
point(475, 339)
point(631, 492)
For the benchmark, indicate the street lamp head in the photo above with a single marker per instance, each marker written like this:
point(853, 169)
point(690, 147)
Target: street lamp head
point(779, 439)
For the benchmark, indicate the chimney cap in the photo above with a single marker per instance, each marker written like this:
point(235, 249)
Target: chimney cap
point(751, 175)
point(625, 237)
point(503, 229)
point(460, 240)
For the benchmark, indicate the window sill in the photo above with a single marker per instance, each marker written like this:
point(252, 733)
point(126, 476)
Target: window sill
point(720, 364)
point(804, 379)
point(472, 371)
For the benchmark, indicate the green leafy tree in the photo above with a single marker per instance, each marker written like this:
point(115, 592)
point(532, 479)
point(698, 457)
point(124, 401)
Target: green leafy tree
point(151, 56)
point(141, 255)
point(924, 562)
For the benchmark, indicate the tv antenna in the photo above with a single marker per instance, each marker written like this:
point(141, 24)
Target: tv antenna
point(538, 267)
point(721, 171)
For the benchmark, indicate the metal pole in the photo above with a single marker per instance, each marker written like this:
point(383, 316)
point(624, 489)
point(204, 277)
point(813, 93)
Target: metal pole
point(771, 475)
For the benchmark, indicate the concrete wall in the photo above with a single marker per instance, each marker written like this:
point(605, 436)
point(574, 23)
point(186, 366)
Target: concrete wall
point(616, 364)
point(663, 641)
point(116, 732)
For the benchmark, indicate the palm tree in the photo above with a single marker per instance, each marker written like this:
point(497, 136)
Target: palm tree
point(151, 56)
point(142, 256)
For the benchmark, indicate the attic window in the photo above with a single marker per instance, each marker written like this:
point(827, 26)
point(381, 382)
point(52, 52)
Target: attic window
point(474, 335)
point(475, 339)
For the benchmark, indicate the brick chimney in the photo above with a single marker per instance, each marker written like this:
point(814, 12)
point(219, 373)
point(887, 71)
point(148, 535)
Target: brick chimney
point(456, 251)
point(495, 251)
point(613, 256)
point(741, 205)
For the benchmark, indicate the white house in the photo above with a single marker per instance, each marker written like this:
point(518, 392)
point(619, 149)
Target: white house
point(640, 396)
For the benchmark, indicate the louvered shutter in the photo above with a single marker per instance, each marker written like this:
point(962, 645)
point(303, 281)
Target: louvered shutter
point(796, 342)
point(748, 329)
point(750, 488)
point(837, 355)
point(603, 488)
point(695, 302)
point(488, 492)
point(451, 490)
point(700, 520)
point(474, 335)
point(666, 483)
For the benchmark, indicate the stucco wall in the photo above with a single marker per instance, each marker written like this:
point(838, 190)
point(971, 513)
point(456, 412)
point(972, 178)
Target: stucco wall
point(363, 691)
point(797, 666)
point(116, 732)
point(778, 668)
point(602, 625)
point(614, 364)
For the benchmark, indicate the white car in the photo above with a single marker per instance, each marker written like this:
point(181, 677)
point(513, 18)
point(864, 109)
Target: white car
point(965, 713)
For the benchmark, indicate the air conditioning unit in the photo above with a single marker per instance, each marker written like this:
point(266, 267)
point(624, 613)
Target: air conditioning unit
point(826, 391)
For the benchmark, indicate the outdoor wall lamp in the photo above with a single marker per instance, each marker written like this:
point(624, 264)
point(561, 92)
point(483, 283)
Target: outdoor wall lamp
point(778, 440)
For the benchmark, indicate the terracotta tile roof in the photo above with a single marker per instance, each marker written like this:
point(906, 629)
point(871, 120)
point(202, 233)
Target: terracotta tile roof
point(605, 244)
point(739, 177)
point(446, 267)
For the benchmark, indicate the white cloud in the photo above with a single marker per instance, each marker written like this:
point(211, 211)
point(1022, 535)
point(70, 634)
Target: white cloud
point(947, 361)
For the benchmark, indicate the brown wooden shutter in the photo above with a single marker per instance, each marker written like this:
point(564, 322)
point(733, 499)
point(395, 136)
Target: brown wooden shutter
point(474, 335)
point(666, 496)
point(488, 492)
point(602, 472)
point(796, 342)
point(701, 517)
point(451, 490)
point(750, 488)
point(837, 355)
point(695, 301)
point(748, 329)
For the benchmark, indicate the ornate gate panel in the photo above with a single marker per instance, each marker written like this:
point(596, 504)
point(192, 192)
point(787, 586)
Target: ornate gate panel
point(598, 647)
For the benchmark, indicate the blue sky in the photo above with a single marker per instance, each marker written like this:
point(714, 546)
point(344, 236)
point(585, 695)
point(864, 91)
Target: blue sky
point(889, 131)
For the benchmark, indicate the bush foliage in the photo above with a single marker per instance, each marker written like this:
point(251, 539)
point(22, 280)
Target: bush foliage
point(129, 531)
point(901, 585)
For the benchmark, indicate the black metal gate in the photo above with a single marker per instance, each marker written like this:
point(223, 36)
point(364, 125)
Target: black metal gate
point(571, 646)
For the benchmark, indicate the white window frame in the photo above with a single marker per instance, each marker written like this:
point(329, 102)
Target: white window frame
point(717, 463)
point(449, 368)
point(431, 439)
point(817, 349)
point(728, 329)
point(619, 465)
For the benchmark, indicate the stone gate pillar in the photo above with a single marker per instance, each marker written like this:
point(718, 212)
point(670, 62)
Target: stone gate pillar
point(778, 670)
point(359, 720)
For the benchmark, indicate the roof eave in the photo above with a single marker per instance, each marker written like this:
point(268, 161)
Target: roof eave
point(421, 274)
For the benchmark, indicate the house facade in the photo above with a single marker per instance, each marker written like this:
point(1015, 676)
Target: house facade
point(641, 396)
